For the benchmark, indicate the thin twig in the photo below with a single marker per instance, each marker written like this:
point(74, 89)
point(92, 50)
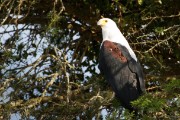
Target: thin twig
point(159, 17)
point(162, 41)
point(8, 14)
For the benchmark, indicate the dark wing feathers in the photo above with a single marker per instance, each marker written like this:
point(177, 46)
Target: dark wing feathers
point(134, 66)
point(121, 71)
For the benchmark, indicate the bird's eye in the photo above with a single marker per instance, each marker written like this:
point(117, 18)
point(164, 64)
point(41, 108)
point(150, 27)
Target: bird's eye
point(106, 20)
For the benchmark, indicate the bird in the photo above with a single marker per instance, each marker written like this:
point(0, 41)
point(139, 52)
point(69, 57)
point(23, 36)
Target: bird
point(119, 64)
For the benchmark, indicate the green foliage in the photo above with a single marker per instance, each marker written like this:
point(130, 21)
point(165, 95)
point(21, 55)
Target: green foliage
point(164, 104)
point(159, 30)
point(173, 87)
point(140, 2)
point(149, 103)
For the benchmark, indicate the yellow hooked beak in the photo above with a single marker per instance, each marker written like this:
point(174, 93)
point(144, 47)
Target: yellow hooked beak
point(102, 22)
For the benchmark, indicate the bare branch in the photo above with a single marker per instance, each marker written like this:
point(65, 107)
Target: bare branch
point(163, 41)
point(158, 17)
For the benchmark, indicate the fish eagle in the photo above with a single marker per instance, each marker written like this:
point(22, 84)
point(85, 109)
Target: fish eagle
point(119, 64)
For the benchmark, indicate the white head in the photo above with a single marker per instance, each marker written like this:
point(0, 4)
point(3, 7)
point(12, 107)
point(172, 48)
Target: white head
point(111, 32)
point(106, 23)
point(109, 29)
